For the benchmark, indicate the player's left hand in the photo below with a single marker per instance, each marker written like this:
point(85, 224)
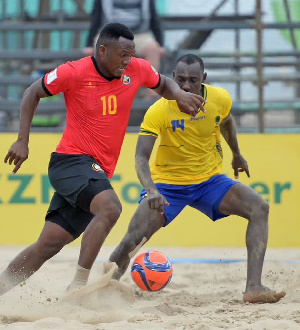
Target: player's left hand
point(156, 200)
point(239, 164)
point(190, 103)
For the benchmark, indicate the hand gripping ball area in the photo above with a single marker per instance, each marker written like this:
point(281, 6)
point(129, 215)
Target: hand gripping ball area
point(151, 271)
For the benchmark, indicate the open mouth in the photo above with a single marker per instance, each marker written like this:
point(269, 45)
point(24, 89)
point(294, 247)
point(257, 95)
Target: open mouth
point(122, 69)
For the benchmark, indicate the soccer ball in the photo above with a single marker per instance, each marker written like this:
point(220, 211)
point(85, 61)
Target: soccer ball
point(151, 271)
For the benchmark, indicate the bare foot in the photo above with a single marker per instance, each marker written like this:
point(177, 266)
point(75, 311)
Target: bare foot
point(262, 295)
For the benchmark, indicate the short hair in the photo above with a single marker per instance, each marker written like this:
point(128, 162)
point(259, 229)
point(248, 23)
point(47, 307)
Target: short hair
point(190, 59)
point(112, 32)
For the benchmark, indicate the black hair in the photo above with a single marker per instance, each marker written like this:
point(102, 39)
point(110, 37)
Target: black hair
point(190, 59)
point(112, 32)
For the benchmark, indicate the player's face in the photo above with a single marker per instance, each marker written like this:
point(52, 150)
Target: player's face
point(116, 57)
point(189, 77)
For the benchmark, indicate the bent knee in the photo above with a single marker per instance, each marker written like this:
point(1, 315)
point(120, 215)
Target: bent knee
point(265, 207)
point(114, 210)
point(106, 204)
point(110, 213)
point(261, 209)
point(49, 248)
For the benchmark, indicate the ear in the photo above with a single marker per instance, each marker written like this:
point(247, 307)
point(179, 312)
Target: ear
point(102, 50)
point(204, 77)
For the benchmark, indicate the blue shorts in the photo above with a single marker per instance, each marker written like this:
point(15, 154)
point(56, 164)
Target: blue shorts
point(205, 197)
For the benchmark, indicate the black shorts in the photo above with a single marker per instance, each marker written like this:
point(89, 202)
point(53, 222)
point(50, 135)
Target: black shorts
point(77, 179)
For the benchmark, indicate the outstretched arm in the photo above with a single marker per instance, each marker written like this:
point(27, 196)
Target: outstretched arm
point(228, 130)
point(143, 152)
point(18, 152)
point(187, 102)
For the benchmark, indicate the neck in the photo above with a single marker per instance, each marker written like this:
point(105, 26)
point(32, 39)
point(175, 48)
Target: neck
point(201, 90)
point(100, 71)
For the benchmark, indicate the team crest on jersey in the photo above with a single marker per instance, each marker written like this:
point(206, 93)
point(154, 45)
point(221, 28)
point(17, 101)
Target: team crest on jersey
point(126, 80)
point(96, 168)
point(217, 120)
point(153, 68)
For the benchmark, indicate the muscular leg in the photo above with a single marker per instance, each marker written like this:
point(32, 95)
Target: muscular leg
point(106, 208)
point(243, 201)
point(52, 239)
point(144, 223)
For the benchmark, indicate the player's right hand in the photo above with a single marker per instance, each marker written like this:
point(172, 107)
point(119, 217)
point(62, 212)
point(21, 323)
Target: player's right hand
point(17, 154)
point(190, 103)
point(156, 200)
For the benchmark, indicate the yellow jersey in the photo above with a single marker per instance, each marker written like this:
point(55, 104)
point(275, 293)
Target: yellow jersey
point(189, 150)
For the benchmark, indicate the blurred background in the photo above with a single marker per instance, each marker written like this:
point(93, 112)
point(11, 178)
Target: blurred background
point(251, 48)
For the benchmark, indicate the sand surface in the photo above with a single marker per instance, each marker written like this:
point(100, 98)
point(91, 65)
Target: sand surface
point(205, 293)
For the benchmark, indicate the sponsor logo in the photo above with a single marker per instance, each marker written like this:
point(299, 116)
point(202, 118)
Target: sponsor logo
point(198, 118)
point(217, 120)
point(51, 76)
point(126, 80)
point(96, 168)
point(90, 85)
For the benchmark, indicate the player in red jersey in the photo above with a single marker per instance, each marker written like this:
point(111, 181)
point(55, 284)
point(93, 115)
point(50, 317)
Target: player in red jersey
point(99, 92)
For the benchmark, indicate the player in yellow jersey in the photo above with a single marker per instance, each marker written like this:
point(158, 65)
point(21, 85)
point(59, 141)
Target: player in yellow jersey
point(187, 170)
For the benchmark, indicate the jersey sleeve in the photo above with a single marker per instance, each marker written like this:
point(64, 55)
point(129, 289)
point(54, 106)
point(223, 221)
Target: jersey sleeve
point(150, 78)
point(154, 120)
point(59, 80)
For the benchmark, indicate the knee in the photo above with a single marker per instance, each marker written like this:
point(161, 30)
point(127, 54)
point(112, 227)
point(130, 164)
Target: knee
point(49, 248)
point(261, 210)
point(114, 212)
point(110, 212)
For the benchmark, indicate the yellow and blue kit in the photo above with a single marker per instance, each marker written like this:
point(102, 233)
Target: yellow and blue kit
point(189, 153)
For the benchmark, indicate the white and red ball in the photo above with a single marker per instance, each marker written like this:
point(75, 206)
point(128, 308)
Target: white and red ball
point(151, 271)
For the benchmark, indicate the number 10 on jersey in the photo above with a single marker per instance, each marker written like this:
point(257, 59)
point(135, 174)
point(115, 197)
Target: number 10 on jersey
point(109, 105)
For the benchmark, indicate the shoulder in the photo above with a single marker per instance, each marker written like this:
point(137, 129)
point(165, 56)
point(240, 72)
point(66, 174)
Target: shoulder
point(217, 90)
point(140, 63)
point(218, 93)
point(156, 107)
point(82, 63)
point(156, 113)
point(134, 62)
point(75, 67)
point(160, 111)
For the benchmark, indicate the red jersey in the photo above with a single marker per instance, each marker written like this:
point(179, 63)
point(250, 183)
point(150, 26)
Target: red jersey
point(98, 107)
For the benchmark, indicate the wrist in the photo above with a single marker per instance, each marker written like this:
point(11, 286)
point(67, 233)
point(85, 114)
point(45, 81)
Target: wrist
point(23, 139)
point(151, 189)
point(178, 94)
point(236, 153)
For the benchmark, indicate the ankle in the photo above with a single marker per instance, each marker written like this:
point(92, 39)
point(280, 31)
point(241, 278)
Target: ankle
point(81, 277)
